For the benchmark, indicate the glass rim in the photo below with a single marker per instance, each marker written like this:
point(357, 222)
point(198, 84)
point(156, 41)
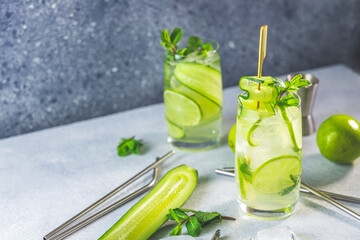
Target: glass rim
point(215, 44)
point(296, 95)
point(264, 114)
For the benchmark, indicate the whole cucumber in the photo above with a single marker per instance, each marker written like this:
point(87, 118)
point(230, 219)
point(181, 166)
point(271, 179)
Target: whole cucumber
point(148, 214)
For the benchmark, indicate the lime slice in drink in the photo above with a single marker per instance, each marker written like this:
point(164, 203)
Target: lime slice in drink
point(276, 174)
point(209, 109)
point(174, 131)
point(202, 79)
point(180, 109)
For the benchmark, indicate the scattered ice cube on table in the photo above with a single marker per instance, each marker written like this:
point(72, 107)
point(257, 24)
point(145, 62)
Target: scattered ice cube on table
point(276, 233)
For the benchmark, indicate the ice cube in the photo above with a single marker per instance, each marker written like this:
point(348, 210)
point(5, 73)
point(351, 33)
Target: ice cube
point(277, 233)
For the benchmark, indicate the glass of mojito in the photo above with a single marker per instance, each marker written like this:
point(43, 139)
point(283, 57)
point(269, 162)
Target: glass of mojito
point(268, 146)
point(192, 91)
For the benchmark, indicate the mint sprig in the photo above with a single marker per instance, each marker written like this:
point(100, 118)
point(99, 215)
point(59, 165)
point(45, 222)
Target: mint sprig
point(194, 223)
point(129, 146)
point(285, 97)
point(170, 41)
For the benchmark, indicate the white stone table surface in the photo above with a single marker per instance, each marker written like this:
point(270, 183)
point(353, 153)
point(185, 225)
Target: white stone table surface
point(48, 176)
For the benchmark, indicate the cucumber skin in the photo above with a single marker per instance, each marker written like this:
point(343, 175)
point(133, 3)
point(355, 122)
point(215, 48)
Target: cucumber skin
point(125, 229)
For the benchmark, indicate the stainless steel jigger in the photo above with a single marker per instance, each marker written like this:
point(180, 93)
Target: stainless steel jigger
point(307, 96)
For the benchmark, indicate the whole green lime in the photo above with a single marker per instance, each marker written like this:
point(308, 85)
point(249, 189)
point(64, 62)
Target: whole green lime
point(338, 139)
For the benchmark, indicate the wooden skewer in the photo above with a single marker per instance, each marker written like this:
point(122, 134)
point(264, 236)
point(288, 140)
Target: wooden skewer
point(262, 53)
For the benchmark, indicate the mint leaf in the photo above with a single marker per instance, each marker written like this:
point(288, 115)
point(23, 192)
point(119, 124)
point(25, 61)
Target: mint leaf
point(179, 215)
point(165, 38)
point(193, 226)
point(194, 42)
point(129, 146)
point(288, 100)
point(176, 231)
point(245, 169)
point(174, 216)
point(176, 36)
point(207, 46)
point(296, 180)
point(207, 217)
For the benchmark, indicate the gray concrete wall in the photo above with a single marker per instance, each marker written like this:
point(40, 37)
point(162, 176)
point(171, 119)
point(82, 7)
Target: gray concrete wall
point(65, 61)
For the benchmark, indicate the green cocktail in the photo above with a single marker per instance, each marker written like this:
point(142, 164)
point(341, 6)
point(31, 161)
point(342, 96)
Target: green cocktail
point(268, 146)
point(193, 95)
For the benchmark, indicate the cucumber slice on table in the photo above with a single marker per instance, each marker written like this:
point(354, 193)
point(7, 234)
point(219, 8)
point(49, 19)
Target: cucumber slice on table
point(202, 79)
point(148, 214)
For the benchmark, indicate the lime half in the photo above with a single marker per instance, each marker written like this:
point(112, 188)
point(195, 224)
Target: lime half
point(277, 174)
point(174, 131)
point(180, 109)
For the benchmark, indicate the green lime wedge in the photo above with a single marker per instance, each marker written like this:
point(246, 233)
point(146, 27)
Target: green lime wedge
point(174, 130)
point(276, 174)
point(180, 109)
point(200, 78)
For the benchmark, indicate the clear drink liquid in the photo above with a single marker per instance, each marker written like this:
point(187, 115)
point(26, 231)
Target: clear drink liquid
point(268, 160)
point(193, 99)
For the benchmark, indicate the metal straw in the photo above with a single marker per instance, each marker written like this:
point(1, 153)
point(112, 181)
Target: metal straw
point(331, 200)
point(56, 234)
point(229, 171)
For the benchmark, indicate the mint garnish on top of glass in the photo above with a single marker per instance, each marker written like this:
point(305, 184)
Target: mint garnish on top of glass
point(170, 42)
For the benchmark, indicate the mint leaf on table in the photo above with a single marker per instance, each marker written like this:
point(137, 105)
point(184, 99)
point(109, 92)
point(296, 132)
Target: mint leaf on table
point(193, 226)
point(129, 146)
point(177, 214)
point(176, 231)
point(195, 222)
point(208, 217)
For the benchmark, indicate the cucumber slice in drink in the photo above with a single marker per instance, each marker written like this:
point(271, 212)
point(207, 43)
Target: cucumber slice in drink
point(180, 109)
point(174, 131)
point(148, 214)
point(277, 174)
point(209, 109)
point(264, 106)
point(265, 93)
point(201, 78)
